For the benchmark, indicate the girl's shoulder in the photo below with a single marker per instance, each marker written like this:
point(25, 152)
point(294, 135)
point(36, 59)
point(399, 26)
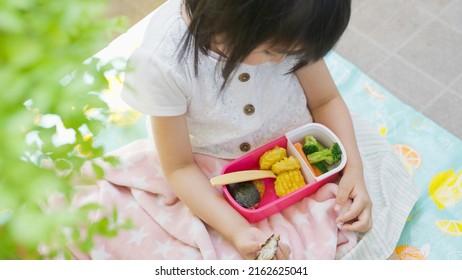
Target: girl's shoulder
point(165, 30)
point(155, 60)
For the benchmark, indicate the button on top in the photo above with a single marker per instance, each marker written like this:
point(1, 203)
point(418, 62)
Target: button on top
point(245, 147)
point(244, 77)
point(249, 109)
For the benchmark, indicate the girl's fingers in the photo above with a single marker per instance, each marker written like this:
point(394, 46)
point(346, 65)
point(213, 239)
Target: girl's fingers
point(352, 213)
point(342, 196)
point(252, 251)
point(362, 224)
point(359, 226)
point(283, 251)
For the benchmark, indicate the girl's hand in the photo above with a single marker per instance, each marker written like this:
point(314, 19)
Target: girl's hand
point(248, 242)
point(358, 217)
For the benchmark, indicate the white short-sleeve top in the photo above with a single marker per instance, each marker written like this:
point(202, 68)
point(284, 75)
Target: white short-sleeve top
point(260, 102)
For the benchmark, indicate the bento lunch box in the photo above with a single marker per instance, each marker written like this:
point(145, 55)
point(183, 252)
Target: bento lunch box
point(270, 203)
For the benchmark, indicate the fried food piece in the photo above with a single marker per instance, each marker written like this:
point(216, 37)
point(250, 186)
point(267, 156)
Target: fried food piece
point(272, 156)
point(269, 248)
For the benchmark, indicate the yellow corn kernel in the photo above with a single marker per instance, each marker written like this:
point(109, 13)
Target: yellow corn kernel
point(286, 164)
point(272, 156)
point(288, 182)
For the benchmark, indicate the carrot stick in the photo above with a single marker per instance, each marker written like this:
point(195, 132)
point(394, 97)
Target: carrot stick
point(313, 168)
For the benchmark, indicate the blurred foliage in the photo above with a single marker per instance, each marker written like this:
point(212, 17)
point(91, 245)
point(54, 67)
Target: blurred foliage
point(50, 111)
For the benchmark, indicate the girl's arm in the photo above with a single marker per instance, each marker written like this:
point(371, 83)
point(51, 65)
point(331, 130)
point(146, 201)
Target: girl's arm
point(194, 189)
point(327, 107)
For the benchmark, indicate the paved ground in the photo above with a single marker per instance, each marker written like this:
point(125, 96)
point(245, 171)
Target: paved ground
point(413, 48)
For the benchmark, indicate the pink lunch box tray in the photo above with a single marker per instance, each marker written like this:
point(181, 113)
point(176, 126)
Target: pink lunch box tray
point(270, 203)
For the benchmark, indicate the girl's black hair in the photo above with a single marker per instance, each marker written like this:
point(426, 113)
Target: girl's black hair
point(312, 27)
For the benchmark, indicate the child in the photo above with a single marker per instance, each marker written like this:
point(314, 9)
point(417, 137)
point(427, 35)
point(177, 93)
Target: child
point(222, 77)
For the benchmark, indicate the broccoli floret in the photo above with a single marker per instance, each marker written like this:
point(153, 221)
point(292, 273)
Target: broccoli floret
point(330, 156)
point(309, 149)
point(311, 145)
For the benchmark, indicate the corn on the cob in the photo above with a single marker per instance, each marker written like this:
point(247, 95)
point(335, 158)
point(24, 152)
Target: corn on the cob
point(288, 182)
point(286, 164)
point(272, 156)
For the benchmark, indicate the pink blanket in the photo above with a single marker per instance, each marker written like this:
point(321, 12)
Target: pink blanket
point(166, 229)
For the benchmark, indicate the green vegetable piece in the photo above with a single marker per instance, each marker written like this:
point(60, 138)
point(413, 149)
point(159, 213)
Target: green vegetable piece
point(322, 165)
point(330, 156)
point(311, 145)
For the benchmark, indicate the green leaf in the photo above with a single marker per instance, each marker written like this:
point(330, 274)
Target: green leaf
point(115, 215)
point(112, 160)
point(10, 21)
point(99, 172)
point(86, 245)
point(90, 207)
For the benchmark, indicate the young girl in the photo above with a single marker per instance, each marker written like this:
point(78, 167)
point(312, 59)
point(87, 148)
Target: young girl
point(223, 77)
